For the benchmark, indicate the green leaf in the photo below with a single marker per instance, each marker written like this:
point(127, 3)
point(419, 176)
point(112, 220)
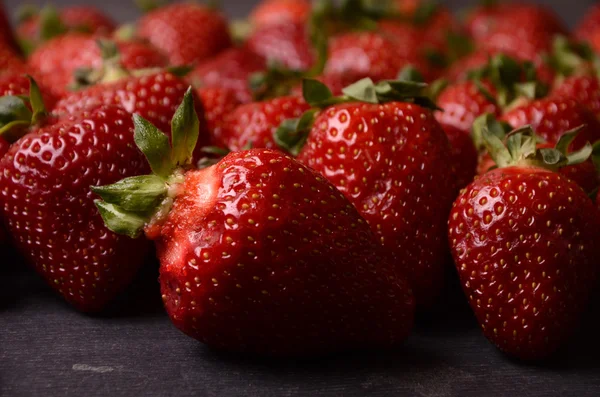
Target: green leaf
point(36, 100)
point(120, 221)
point(484, 91)
point(411, 73)
point(315, 93)
point(215, 151)
point(185, 128)
point(137, 194)
point(436, 88)
point(400, 90)
point(567, 138)
point(149, 5)
point(109, 50)
point(552, 157)
point(179, 71)
point(15, 117)
point(499, 128)
point(293, 133)
point(240, 30)
point(363, 90)
point(581, 155)
point(596, 155)
point(527, 90)
point(497, 150)
point(155, 146)
point(50, 23)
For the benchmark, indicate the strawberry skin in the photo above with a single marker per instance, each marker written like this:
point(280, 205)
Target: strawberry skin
point(280, 12)
point(393, 162)
point(524, 241)
point(49, 211)
point(254, 123)
point(155, 96)
point(464, 155)
point(55, 61)
point(186, 32)
point(553, 116)
point(284, 44)
point(462, 103)
point(218, 104)
point(12, 83)
point(230, 69)
point(589, 27)
point(261, 254)
point(583, 89)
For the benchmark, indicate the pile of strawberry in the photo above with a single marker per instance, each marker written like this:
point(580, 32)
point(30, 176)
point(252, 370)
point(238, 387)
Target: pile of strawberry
point(310, 176)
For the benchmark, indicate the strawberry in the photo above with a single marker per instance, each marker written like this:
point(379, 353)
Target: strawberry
point(588, 29)
point(253, 124)
point(551, 117)
point(49, 211)
point(186, 32)
point(464, 155)
point(392, 160)
point(280, 12)
point(287, 45)
point(259, 253)
point(524, 240)
point(56, 61)
point(154, 95)
point(37, 26)
point(7, 38)
point(218, 104)
point(230, 69)
point(16, 84)
point(365, 54)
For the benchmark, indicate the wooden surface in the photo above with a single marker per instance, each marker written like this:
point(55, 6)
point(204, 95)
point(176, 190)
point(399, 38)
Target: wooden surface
point(47, 349)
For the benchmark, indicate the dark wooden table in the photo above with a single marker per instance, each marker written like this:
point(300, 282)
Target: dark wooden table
point(48, 349)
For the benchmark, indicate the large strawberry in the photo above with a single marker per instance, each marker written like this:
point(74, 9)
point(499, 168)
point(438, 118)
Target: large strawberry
point(280, 12)
point(231, 69)
point(392, 160)
point(525, 243)
point(588, 29)
point(49, 211)
point(218, 104)
point(56, 61)
point(259, 253)
point(186, 32)
point(36, 26)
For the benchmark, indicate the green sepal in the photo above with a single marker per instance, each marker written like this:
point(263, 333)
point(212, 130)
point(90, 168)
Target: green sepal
point(120, 221)
point(436, 58)
point(125, 32)
point(484, 91)
point(36, 101)
point(293, 133)
point(179, 71)
point(489, 122)
point(139, 193)
point(315, 93)
point(155, 146)
point(50, 23)
point(568, 57)
point(411, 73)
point(240, 30)
point(150, 5)
point(26, 12)
point(363, 91)
point(436, 87)
point(110, 71)
point(425, 11)
point(596, 155)
point(185, 128)
point(17, 113)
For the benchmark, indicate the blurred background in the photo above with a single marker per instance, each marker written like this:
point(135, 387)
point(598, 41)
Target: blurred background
point(125, 10)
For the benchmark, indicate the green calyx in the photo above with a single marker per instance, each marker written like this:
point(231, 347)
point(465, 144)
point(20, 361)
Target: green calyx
point(292, 133)
point(18, 113)
point(520, 149)
point(149, 5)
point(488, 122)
point(569, 58)
point(49, 22)
point(129, 205)
point(511, 79)
point(110, 71)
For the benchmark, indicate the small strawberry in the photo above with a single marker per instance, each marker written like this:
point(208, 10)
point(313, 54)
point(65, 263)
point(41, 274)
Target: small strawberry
point(231, 69)
point(551, 117)
point(186, 32)
point(524, 240)
point(280, 12)
point(49, 211)
point(37, 26)
point(259, 253)
point(588, 28)
point(287, 45)
point(153, 95)
point(392, 160)
point(56, 61)
point(218, 104)
point(254, 124)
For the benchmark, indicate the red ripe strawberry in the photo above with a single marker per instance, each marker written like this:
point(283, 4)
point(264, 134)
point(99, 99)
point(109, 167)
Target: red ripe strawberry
point(154, 96)
point(285, 44)
point(463, 102)
point(259, 253)
point(9, 60)
point(56, 61)
point(218, 104)
point(231, 69)
point(7, 38)
point(553, 116)
point(253, 124)
point(4, 146)
point(186, 32)
point(391, 160)
point(464, 155)
point(49, 211)
point(35, 28)
point(584, 89)
point(524, 240)
point(18, 84)
point(588, 29)
point(280, 12)
point(365, 54)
